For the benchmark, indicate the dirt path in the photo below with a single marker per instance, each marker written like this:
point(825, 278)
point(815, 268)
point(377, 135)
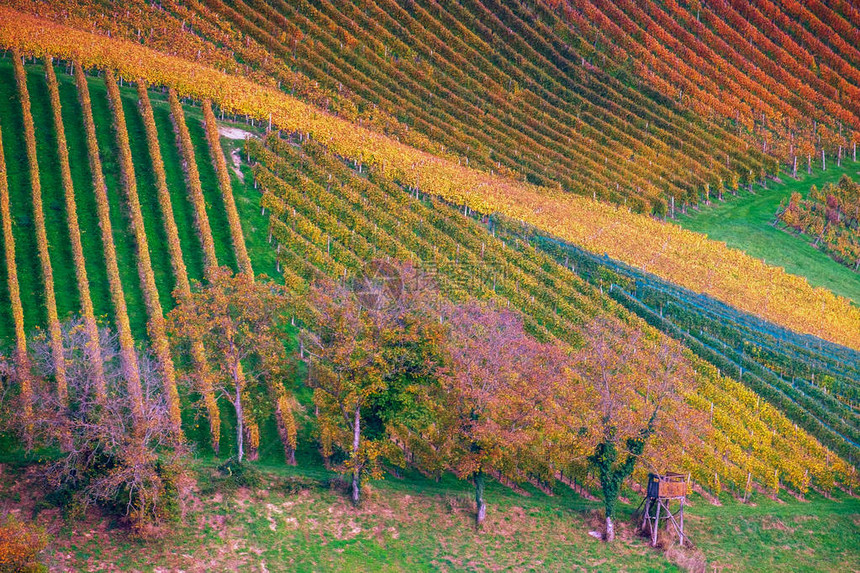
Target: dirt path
point(233, 132)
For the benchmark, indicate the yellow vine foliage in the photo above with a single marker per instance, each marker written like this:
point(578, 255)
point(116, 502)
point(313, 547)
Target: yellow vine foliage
point(195, 189)
point(155, 320)
point(204, 230)
point(283, 412)
point(21, 359)
point(180, 271)
point(220, 165)
point(683, 257)
point(130, 367)
point(92, 330)
point(751, 437)
point(59, 360)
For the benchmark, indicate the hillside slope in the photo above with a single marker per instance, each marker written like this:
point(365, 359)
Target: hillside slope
point(297, 520)
point(327, 219)
point(675, 254)
point(745, 222)
point(649, 104)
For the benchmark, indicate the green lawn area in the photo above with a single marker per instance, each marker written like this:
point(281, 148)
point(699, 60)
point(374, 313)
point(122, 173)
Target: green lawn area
point(298, 519)
point(744, 222)
point(28, 267)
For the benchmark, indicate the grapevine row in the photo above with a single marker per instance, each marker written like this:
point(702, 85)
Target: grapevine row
point(204, 232)
point(21, 358)
point(634, 239)
point(728, 410)
point(58, 357)
point(180, 272)
point(220, 165)
point(128, 355)
point(87, 312)
point(155, 319)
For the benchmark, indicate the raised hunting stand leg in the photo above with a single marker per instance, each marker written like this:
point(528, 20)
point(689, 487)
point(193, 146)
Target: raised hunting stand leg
point(656, 526)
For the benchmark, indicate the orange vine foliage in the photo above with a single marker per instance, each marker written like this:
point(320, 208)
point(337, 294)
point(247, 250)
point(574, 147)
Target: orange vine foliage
point(41, 234)
point(220, 164)
point(204, 231)
point(681, 256)
point(195, 189)
point(93, 343)
point(180, 272)
point(155, 320)
point(130, 367)
point(21, 359)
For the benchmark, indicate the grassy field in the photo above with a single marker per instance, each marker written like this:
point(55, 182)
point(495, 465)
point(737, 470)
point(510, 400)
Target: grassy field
point(744, 222)
point(297, 520)
point(20, 199)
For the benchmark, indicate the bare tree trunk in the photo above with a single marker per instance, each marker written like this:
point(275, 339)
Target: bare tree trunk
point(609, 535)
point(480, 504)
point(240, 430)
point(356, 436)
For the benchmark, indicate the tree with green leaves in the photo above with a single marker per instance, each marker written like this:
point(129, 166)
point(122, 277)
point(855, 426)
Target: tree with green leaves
point(372, 345)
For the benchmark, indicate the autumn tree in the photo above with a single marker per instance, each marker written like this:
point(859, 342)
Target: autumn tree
point(830, 216)
point(634, 380)
point(372, 344)
point(493, 397)
point(107, 454)
point(241, 324)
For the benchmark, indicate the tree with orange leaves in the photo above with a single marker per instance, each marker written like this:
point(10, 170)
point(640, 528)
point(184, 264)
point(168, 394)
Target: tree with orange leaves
point(372, 347)
point(493, 399)
point(240, 322)
point(635, 383)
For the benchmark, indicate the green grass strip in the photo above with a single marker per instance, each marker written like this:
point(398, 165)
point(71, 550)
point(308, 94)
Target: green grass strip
point(183, 211)
point(211, 192)
point(20, 203)
point(148, 196)
point(122, 236)
point(85, 197)
point(255, 225)
point(744, 222)
point(53, 200)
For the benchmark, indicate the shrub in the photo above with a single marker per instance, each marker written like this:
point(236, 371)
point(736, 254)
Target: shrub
point(129, 465)
point(20, 546)
point(241, 474)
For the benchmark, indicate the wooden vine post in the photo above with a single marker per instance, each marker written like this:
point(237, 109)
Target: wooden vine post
point(661, 497)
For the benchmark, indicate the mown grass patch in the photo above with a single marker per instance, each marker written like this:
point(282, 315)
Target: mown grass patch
point(296, 521)
point(745, 222)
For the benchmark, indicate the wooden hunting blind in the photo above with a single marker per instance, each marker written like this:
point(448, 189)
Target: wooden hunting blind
point(664, 499)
